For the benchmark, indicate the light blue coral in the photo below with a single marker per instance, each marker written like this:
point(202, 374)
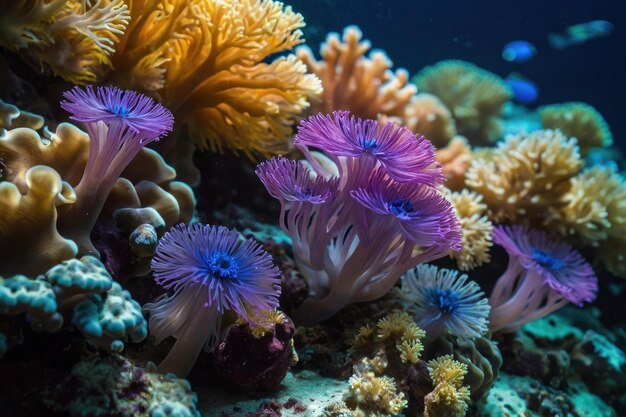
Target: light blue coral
point(86, 275)
point(109, 319)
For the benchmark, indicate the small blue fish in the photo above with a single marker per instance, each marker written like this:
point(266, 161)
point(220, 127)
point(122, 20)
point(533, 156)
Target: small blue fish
point(581, 33)
point(518, 51)
point(524, 90)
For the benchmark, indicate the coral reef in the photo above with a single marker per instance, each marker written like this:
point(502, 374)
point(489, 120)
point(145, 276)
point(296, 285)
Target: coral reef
point(455, 159)
point(450, 396)
point(210, 63)
point(579, 120)
point(428, 116)
point(474, 96)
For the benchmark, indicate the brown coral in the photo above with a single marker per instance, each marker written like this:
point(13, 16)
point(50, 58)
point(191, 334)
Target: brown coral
point(428, 116)
point(476, 229)
point(11, 117)
point(455, 159)
point(579, 120)
point(474, 96)
point(526, 176)
point(365, 86)
point(207, 61)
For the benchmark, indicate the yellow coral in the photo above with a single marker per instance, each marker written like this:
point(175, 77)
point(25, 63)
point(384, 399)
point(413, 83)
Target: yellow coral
point(449, 398)
point(474, 96)
point(206, 60)
point(263, 322)
point(73, 37)
point(526, 176)
point(579, 120)
point(410, 350)
point(398, 326)
point(476, 228)
point(428, 116)
point(374, 395)
point(455, 160)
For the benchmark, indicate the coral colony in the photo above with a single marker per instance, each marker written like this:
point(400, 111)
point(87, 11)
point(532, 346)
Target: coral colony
point(118, 280)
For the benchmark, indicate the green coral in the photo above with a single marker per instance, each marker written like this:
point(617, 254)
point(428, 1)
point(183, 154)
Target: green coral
point(108, 319)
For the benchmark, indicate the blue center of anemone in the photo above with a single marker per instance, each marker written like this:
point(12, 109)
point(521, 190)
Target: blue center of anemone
point(368, 145)
point(400, 207)
point(447, 301)
point(120, 110)
point(223, 265)
point(546, 260)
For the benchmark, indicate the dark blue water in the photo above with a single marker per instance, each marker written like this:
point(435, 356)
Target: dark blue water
point(419, 33)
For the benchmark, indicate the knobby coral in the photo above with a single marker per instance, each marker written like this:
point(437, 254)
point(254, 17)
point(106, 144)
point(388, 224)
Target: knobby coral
point(73, 37)
point(450, 397)
point(428, 116)
point(209, 270)
point(542, 276)
point(476, 228)
point(445, 302)
point(474, 96)
point(361, 215)
point(209, 62)
point(364, 86)
point(579, 120)
point(455, 159)
point(526, 175)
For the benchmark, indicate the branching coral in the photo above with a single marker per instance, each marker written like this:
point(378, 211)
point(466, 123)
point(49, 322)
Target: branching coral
point(363, 214)
point(449, 398)
point(579, 120)
point(542, 276)
point(476, 228)
point(364, 86)
point(208, 61)
point(210, 270)
point(474, 96)
point(526, 176)
point(73, 37)
point(445, 302)
point(374, 396)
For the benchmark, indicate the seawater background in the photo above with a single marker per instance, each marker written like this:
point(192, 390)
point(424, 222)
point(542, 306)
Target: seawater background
point(416, 33)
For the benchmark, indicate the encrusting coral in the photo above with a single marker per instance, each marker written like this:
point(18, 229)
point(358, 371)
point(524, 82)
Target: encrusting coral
point(73, 37)
point(209, 62)
point(579, 120)
point(450, 397)
point(475, 227)
point(210, 270)
point(526, 175)
point(474, 96)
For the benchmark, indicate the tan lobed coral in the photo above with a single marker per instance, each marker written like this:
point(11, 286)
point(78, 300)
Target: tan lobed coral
point(11, 117)
point(526, 176)
point(73, 37)
point(427, 115)
point(208, 62)
point(450, 397)
point(455, 160)
point(474, 96)
point(34, 210)
point(579, 120)
point(476, 228)
point(365, 86)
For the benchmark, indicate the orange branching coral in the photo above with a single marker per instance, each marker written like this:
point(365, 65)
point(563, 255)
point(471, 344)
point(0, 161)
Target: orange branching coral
point(365, 86)
point(455, 160)
point(474, 96)
point(579, 120)
point(526, 175)
point(73, 37)
point(476, 228)
point(207, 61)
point(450, 397)
point(428, 116)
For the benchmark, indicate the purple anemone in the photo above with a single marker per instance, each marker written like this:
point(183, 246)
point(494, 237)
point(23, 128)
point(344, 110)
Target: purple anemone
point(119, 123)
point(207, 271)
point(542, 276)
point(406, 157)
point(445, 302)
point(359, 214)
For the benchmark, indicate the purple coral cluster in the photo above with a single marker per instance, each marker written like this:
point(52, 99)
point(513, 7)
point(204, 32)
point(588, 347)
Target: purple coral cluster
point(542, 276)
point(207, 270)
point(360, 212)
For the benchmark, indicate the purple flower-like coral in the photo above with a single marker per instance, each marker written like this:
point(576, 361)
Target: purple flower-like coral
point(207, 271)
point(542, 276)
point(119, 123)
point(360, 213)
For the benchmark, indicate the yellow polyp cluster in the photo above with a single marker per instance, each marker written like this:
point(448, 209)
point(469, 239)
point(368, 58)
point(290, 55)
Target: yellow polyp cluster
point(525, 176)
point(476, 228)
point(398, 326)
point(207, 61)
point(263, 322)
point(73, 37)
point(449, 398)
point(372, 395)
